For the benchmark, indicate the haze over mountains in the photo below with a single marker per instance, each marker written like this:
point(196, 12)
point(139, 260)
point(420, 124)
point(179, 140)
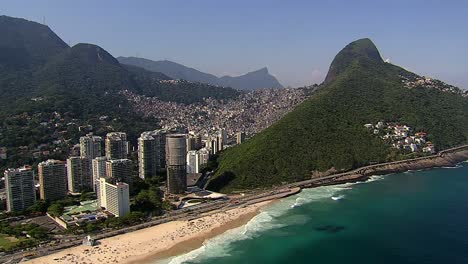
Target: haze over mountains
point(42, 78)
point(41, 74)
point(250, 81)
point(327, 131)
point(35, 62)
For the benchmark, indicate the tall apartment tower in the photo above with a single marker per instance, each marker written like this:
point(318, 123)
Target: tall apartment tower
point(194, 141)
point(192, 166)
point(114, 197)
point(222, 139)
point(90, 146)
point(203, 155)
point(52, 180)
point(161, 148)
point(176, 164)
point(99, 170)
point(213, 146)
point(240, 137)
point(19, 185)
point(116, 145)
point(119, 170)
point(148, 154)
point(80, 174)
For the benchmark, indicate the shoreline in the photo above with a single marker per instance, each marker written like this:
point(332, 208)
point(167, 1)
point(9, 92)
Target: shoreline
point(432, 162)
point(193, 242)
point(449, 160)
point(158, 242)
point(148, 253)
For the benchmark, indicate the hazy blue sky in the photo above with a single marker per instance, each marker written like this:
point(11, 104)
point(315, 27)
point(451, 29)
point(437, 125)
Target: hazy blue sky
point(296, 40)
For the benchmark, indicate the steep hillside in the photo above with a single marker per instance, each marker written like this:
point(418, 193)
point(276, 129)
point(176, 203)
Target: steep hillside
point(250, 81)
point(49, 90)
point(26, 44)
point(327, 130)
point(82, 80)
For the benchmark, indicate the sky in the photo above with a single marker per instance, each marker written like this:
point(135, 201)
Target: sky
point(296, 40)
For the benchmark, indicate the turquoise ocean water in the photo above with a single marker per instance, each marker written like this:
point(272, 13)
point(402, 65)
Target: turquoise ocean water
point(412, 217)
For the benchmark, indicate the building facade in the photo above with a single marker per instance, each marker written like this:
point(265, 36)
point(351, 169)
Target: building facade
point(148, 155)
point(99, 168)
point(203, 155)
point(240, 137)
point(176, 164)
point(114, 198)
point(19, 186)
point(119, 170)
point(196, 159)
point(116, 145)
point(52, 180)
point(90, 146)
point(80, 174)
point(192, 159)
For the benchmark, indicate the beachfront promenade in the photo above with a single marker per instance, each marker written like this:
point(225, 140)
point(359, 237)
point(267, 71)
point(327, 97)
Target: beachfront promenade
point(198, 211)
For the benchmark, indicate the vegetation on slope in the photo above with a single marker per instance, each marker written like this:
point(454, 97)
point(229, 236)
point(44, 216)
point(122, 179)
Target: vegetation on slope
point(327, 130)
point(42, 80)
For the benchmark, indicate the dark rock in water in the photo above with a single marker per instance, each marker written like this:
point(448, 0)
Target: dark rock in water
point(331, 229)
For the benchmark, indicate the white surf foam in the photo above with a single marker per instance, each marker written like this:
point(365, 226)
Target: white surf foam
point(339, 197)
point(453, 167)
point(220, 246)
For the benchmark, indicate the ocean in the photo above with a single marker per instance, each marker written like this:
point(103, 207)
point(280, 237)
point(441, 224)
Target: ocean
point(412, 217)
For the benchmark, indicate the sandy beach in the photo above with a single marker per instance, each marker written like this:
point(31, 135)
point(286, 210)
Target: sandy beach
point(156, 242)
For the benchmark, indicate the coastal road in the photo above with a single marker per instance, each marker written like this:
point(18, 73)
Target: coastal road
point(197, 211)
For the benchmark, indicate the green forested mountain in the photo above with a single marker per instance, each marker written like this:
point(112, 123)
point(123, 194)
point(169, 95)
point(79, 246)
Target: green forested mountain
point(327, 130)
point(25, 44)
point(43, 81)
point(36, 63)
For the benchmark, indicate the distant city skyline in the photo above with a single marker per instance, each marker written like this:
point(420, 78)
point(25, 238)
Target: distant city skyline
point(296, 40)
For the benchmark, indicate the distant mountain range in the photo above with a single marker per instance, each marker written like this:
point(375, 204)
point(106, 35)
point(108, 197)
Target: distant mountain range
point(85, 78)
point(41, 76)
point(249, 81)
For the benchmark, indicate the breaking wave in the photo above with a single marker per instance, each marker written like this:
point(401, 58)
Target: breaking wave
point(267, 219)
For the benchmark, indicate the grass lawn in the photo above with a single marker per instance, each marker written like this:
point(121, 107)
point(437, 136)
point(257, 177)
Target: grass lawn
point(7, 242)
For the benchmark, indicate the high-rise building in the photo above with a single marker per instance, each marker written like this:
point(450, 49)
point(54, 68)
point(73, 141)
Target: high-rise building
point(203, 155)
point(99, 168)
point(190, 142)
point(240, 137)
point(114, 197)
point(80, 174)
point(192, 166)
point(119, 170)
point(176, 164)
point(52, 180)
point(19, 185)
point(116, 145)
point(223, 135)
point(90, 146)
point(219, 143)
point(148, 154)
point(196, 159)
point(213, 146)
point(161, 148)
point(194, 141)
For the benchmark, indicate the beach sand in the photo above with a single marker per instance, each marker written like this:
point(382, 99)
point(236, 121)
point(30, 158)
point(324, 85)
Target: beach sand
point(158, 242)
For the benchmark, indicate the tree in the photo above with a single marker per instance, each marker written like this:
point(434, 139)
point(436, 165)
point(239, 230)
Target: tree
point(148, 201)
point(56, 209)
point(39, 207)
